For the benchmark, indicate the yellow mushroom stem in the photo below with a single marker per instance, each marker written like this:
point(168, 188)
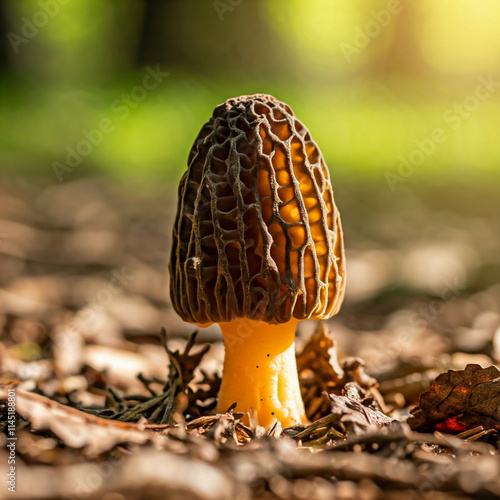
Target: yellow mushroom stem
point(260, 372)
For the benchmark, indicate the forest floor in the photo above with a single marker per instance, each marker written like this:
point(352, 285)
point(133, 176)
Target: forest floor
point(401, 388)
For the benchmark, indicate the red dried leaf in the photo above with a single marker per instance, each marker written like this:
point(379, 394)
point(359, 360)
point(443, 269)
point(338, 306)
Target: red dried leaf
point(450, 425)
point(460, 400)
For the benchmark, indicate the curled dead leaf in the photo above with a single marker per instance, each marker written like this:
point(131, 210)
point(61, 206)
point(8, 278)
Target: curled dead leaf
point(355, 416)
point(321, 373)
point(77, 429)
point(458, 400)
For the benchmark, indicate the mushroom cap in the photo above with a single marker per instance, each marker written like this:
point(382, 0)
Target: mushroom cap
point(257, 234)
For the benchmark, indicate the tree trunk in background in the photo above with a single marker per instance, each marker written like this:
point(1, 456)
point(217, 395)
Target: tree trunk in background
point(5, 46)
point(403, 56)
point(150, 48)
point(236, 41)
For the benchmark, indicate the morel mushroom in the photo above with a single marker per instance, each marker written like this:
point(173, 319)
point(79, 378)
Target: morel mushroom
point(257, 246)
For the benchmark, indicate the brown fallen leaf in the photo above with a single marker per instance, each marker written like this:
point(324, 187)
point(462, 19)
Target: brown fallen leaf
point(320, 373)
point(460, 400)
point(222, 428)
point(320, 353)
point(348, 418)
point(355, 416)
point(77, 429)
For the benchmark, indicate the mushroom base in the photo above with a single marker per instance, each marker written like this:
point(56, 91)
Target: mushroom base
point(260, 372)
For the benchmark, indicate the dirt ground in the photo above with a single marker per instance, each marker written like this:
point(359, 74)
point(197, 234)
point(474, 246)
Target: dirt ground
point(103, 405)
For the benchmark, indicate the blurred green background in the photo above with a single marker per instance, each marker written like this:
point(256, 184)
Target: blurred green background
point(368, 77)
